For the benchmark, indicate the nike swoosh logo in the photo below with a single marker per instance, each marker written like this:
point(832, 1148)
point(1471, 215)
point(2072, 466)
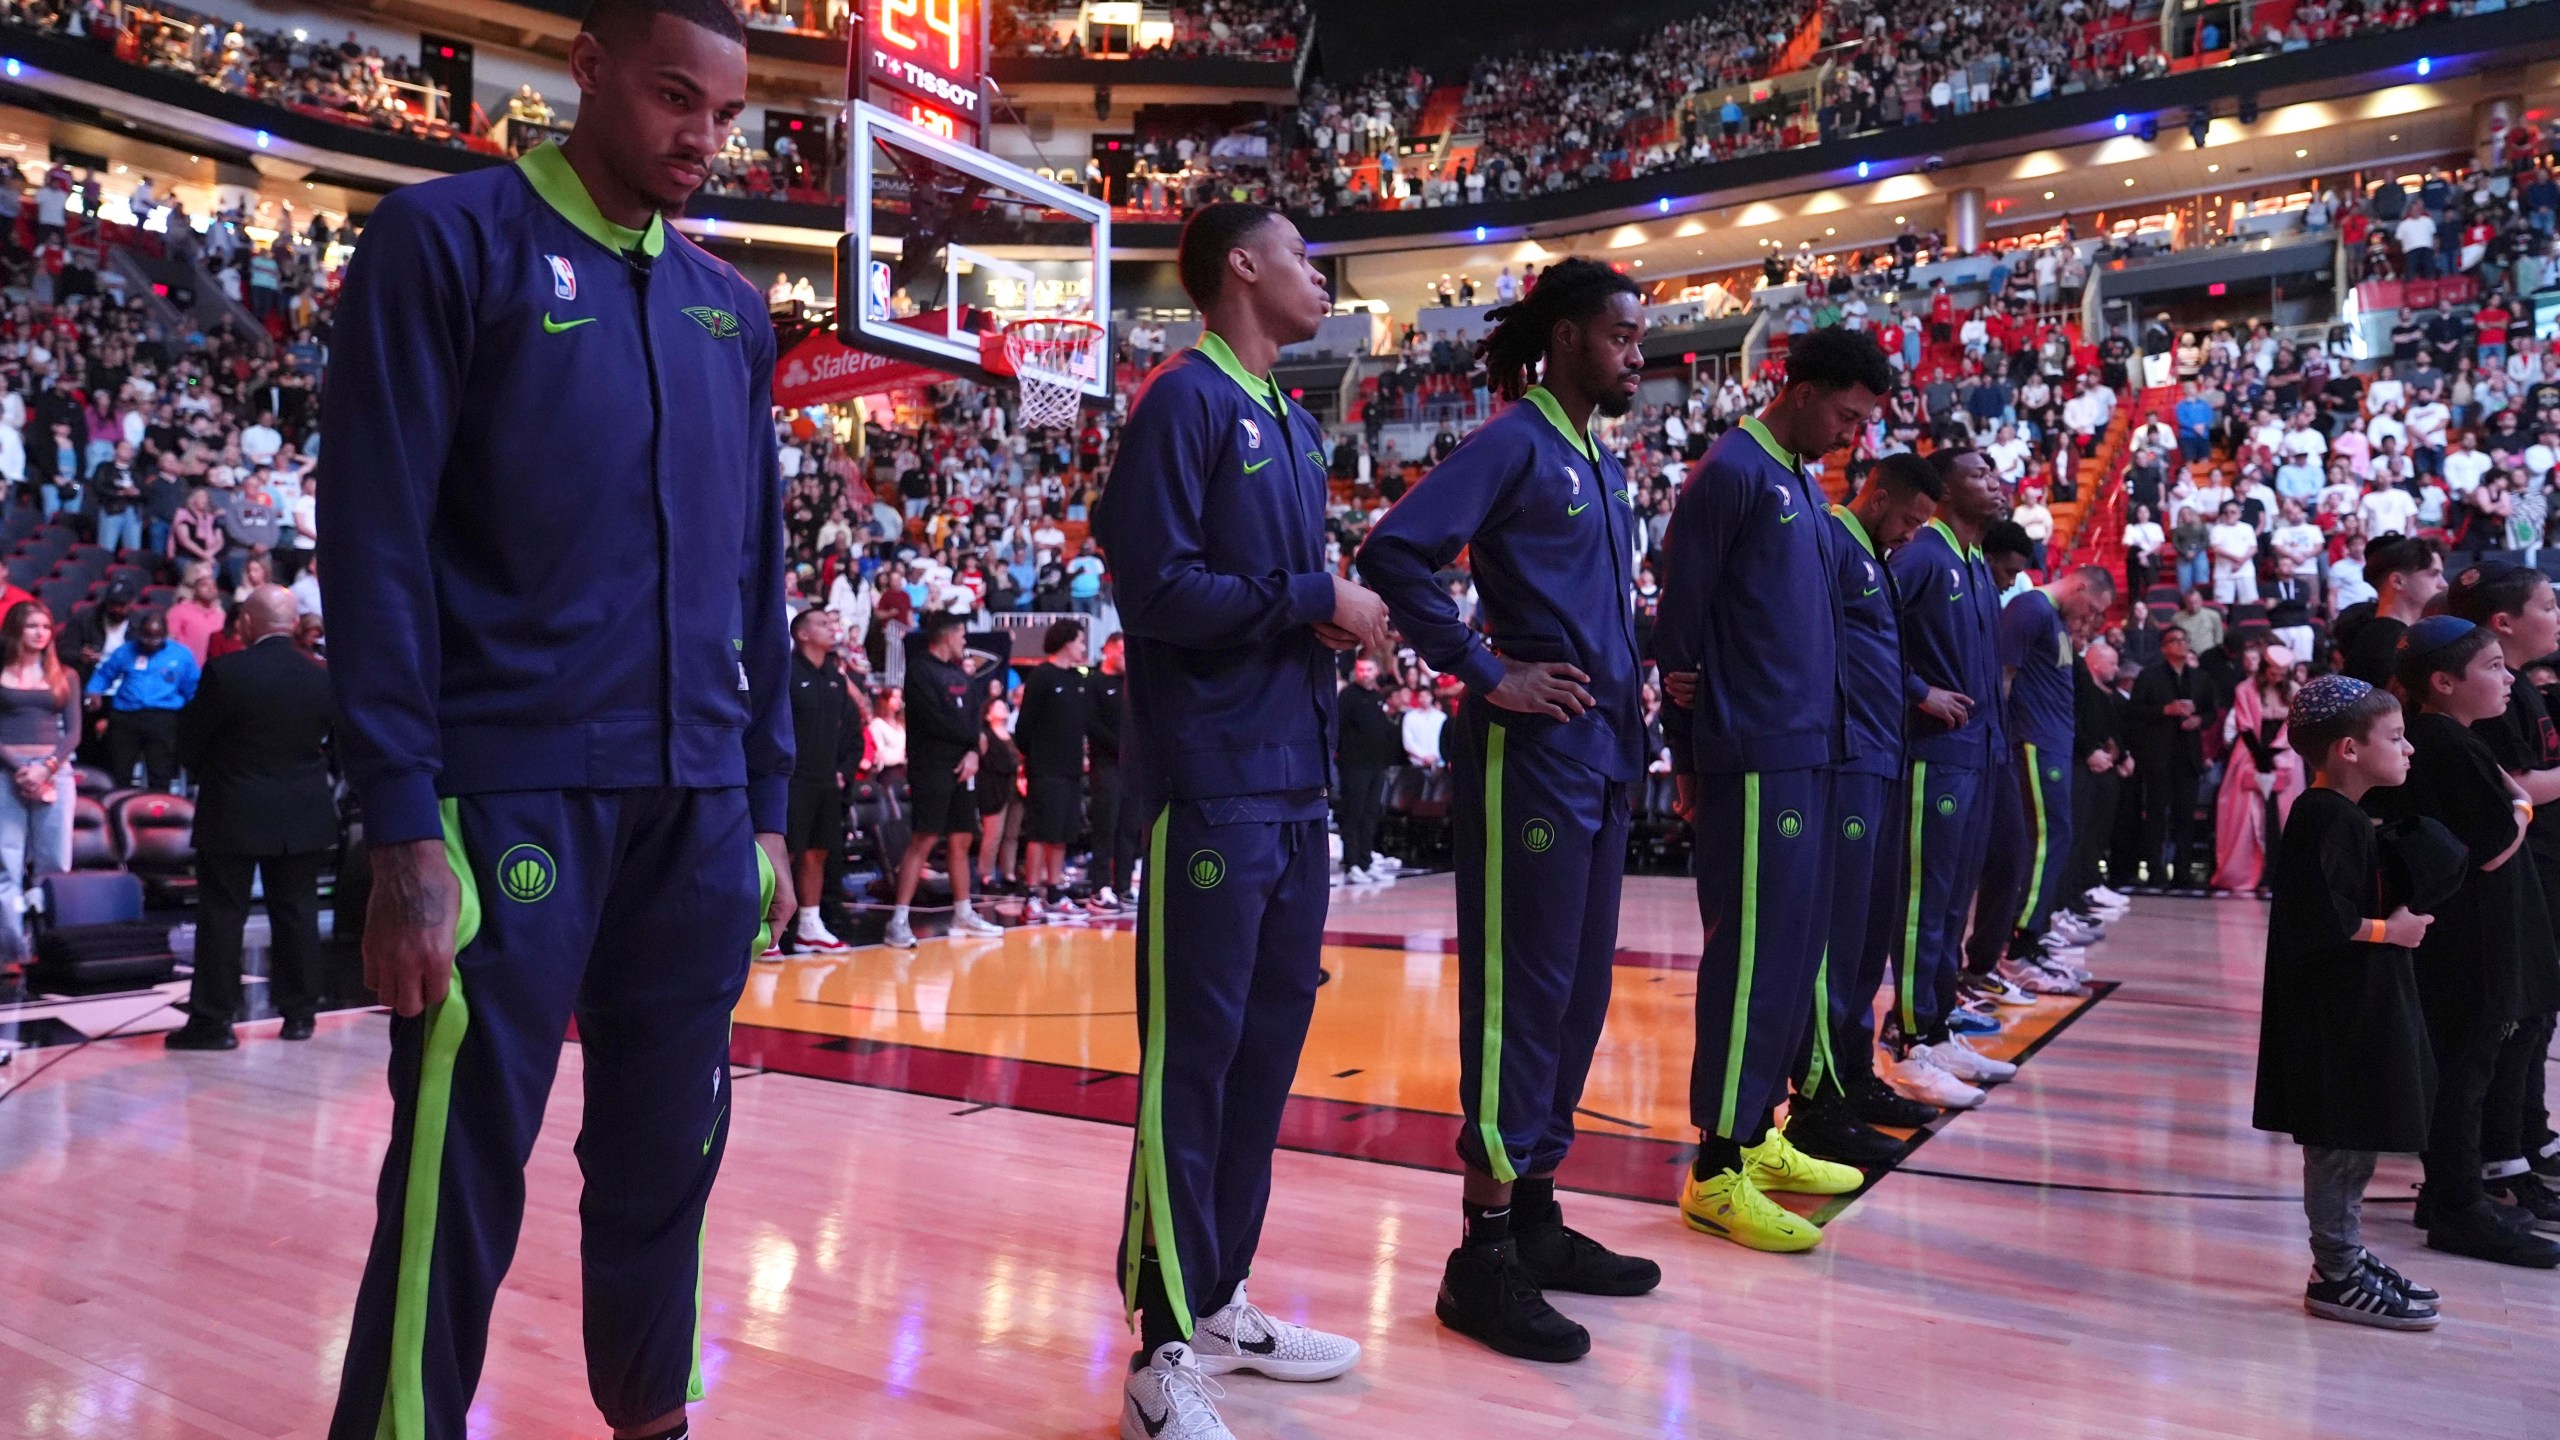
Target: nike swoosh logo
point(1264, 1346)
point(1256, 465)
point(1871, 590)
point(715, 1129)
point(1790, 517)
point(1955, 597)
point(1154, 1423)
point(1573, 510)
point(554, 327)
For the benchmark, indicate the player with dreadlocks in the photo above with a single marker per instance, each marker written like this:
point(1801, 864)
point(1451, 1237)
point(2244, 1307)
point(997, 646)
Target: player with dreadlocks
point(1542, 754)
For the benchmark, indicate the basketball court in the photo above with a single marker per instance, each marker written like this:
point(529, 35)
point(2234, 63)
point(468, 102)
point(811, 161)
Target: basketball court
point(914, 1229)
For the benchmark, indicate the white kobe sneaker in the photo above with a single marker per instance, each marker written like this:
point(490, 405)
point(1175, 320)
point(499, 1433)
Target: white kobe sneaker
point(1243, 1337)
point(1966, 1063)
point(1172, 1398)
point(1916, 1077)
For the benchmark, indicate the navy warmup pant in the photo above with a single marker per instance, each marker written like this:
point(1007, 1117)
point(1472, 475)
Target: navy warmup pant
point(635, 911)
point(1764, 891)
point(1542, 853)
point(1944, 837)
point(2028, 850)
point(1840, 1042)
point(1229, 933)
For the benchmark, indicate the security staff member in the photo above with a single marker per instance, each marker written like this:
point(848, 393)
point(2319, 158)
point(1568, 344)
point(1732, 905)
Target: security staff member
point(1370, 745)
point(1541, 753)
point(1214, 525)
point(1751, 601)
point(1115, 825)
point(554, 545)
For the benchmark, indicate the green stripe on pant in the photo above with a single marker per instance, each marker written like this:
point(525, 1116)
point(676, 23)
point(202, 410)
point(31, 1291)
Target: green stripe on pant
point(404, 1402)
point(1910, 1006)
point(1149, 1207)
point(693, 1387)
point(1489, 1085)
point(1741, 1024)
point(2034, 782)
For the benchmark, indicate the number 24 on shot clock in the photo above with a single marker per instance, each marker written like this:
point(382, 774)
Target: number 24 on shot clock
point(928, 54)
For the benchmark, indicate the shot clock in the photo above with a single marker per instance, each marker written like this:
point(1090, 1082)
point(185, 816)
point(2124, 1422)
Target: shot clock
point(924, 61)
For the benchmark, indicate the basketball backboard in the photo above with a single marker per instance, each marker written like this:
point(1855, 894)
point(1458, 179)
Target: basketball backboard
point(947, 245)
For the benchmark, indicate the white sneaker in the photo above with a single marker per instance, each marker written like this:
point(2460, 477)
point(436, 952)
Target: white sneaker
point(1172, 1398)
point(1335, 882)
point(900, 934)
point(2077, 931)
point(2037, 980)
point(1103, 902)
point(813, 934)
point(1357, 875)
point(2000, 989)
point(2056, 945)
point(1033, 910)
point(1242, 1337)
point(1388, 863)
point(1964, 1062)
point(2111, 899)
point(1916, 1077)
point(773, 954)
point(968, 922)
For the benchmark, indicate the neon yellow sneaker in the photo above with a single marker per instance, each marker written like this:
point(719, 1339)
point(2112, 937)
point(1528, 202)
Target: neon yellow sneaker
point(1776, 1164)
point(1729, 1206)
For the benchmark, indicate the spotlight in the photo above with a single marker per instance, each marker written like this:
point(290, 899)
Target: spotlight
point(2248, 109)
point(1662, 206)
point(2426, 67)
point(13, 67)
point(2149, 130)
point(2199, 126)
point(263, 139)
point(1479, 234)
point(1862, 169)
point(2121, 122)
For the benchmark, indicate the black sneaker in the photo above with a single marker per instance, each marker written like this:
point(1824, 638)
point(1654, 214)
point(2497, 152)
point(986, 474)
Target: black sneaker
point(2546, 1163)
point(2423, 1295)
point(195, 1036)
point(1830, 1128)
point(2362, 1299)
point(2480, 1231)
point(1488, 1294)
point(1559, 1257)
point(2528, 1195)
point(1873, 1102)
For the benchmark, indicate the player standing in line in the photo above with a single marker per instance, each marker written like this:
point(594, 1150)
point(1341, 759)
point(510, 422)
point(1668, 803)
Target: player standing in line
point(554, 545)
point(2031, 818)
point(1950, 613)
point(1751, 601)
point(1837, 1094)
point(1542, 752)
point(1214, 524)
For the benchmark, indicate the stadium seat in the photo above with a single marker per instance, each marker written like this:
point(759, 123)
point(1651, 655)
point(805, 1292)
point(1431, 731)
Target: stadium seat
point(61, 596)
point(138, 575)
point(93, 782)
point(152, 834)
point(91, 847)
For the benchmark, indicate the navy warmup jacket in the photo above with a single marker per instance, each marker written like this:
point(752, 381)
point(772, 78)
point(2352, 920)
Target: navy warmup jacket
point(2036, 645)
point(1214, 525)
point(1751, 601)
point(1949, 617)
point(1529, 501)
point(1874, 685)
point(552, 510)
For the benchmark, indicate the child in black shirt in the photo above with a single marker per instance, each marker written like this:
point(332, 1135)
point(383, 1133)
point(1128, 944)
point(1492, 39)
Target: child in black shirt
point(2518, 1150)
point(2342, 1045)
point(2471, 963)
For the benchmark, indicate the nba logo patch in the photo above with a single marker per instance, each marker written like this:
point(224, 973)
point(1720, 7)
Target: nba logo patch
point(1252, 432)
point(564, 280)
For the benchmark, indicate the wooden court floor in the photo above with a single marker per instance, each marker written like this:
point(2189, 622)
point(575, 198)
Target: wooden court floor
point(913, 1234)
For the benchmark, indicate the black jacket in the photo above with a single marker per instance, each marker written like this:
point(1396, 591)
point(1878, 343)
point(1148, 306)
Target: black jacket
point(2161, 743)
point(945, 719)
point(256, 738)
point(2097, 714)
point(1370, 738)
point(827, 728)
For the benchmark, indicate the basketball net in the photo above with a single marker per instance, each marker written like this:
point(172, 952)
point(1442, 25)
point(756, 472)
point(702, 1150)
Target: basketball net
point(1051, 359)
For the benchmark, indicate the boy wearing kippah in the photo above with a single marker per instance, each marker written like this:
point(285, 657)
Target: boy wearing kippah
point(2472, 961)
point(2342, 1045)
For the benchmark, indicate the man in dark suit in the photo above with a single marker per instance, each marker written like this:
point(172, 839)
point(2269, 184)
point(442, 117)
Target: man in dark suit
point(255, 736)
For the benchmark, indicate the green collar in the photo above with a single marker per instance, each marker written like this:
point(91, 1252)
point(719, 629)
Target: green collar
point(547, 170)
point(1553, 409)
point(1857, 527)
point(1751, 425)
point(1963, 551)
point(1264, 390)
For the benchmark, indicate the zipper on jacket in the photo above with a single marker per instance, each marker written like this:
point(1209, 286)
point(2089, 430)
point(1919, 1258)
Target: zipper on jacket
point(638, 264)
